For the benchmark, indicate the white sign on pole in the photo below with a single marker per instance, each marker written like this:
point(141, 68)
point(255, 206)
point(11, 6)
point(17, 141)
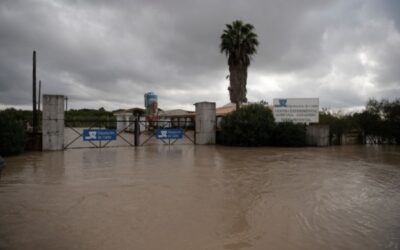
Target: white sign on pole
point(296, 110)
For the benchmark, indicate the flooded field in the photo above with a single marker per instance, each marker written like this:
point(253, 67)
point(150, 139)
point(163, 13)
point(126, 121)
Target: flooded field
point(202, 197)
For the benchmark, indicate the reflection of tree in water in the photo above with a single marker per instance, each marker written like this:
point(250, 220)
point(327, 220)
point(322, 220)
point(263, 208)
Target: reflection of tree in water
point(244, 182)
point(2, 164)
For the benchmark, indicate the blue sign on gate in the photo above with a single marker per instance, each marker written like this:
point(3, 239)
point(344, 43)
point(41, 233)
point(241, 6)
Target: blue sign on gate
point(99, 135)
point(169, 133)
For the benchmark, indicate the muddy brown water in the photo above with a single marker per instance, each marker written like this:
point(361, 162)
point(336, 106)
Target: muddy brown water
point(202, 197)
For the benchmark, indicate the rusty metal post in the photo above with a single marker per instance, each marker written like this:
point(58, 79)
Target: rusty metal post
point(137, 131)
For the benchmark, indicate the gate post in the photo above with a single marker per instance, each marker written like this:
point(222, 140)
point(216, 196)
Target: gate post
point(53, 122)
point(205, 131)
point(137, 131)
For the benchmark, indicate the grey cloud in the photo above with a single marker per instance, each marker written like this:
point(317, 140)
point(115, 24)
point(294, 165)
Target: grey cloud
point(112, 52)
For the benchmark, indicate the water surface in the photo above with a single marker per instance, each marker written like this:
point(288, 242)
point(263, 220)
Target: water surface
point(202, 197)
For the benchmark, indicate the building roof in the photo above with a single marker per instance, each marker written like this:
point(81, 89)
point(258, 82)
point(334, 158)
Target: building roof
point(175, 113)
point(226, 109)
point(123, 112)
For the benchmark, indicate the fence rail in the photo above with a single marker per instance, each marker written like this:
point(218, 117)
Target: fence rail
point(133, 132)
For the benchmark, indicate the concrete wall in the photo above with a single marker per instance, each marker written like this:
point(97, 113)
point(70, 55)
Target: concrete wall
point(351, 137)
point(205, 123)
point(318, 135)
point(53, 122)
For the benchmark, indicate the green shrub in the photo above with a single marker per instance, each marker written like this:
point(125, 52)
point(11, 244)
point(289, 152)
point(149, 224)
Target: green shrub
point(250, 125)
point(288, 134)
point(12, 136)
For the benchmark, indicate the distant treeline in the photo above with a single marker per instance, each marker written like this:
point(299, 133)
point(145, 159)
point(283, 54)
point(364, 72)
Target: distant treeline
point(75, 117)
point(379, 123)
point(95, 117)
point(89, 118)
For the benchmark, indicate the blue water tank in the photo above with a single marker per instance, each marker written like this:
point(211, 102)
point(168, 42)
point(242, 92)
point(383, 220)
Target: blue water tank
point(151, 103)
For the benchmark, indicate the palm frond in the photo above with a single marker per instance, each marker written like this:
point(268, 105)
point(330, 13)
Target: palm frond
point(239, 42)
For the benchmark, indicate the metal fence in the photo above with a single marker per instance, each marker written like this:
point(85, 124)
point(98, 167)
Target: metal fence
point(129, 133)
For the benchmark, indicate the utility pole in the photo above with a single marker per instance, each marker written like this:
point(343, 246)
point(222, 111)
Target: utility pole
point(40, 90)
point(34, 114)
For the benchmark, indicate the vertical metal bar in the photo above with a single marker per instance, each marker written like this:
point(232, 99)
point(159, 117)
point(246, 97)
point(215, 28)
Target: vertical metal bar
point(194, 134)
point(39, 113)
point(137, 131)
point(66, 103)
point(40, 90)
point(100, 123)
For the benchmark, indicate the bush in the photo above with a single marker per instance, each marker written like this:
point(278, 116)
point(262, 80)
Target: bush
point(250, 125)
point(12, 136)
point(288, 134)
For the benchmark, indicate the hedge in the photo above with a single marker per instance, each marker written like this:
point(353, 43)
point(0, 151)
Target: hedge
point(12, 136)
point(251, 125)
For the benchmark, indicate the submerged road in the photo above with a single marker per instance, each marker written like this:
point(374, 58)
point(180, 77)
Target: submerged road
point(202, 197)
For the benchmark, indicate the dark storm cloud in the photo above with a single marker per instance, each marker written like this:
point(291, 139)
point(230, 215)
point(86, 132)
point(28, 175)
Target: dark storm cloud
point(109, 53)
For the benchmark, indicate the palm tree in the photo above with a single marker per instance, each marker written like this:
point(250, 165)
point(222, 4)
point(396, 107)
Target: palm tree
point(239, 43)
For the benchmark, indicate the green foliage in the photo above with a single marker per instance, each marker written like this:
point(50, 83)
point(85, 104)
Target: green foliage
point(12, 132)
point(17, 115)
point(379, 123)
point(251, 125)
point(239, 42)
point(81, 114)
point(392, 119)
point(89, 117)
point(288, 134)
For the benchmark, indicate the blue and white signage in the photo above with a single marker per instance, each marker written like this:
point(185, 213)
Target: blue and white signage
point(99, 135)
point(169, 133)
point(296, 110)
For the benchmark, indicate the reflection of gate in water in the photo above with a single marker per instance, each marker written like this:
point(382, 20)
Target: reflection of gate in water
point(73, 133)
point(148, 130)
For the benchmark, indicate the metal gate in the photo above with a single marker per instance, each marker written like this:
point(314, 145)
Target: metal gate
point(129, 133)
point(148, 131)
point(73, 133)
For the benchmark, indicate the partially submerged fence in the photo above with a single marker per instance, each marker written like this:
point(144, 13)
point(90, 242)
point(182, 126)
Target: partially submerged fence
point(104, 133)
point(59, 134)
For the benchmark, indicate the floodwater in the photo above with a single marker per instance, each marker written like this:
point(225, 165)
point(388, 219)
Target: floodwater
point(202, 197)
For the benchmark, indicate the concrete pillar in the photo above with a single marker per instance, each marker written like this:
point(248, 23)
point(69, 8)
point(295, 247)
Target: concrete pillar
point(318, 135)
point(120, 125)
point(53, 122)
point(205, 123)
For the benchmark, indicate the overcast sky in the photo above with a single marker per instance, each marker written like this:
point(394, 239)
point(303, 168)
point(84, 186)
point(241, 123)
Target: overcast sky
point(109, 53)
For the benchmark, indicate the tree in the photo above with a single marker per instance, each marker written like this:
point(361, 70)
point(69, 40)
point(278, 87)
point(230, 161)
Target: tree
point(239, 43)
point(251, 125)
